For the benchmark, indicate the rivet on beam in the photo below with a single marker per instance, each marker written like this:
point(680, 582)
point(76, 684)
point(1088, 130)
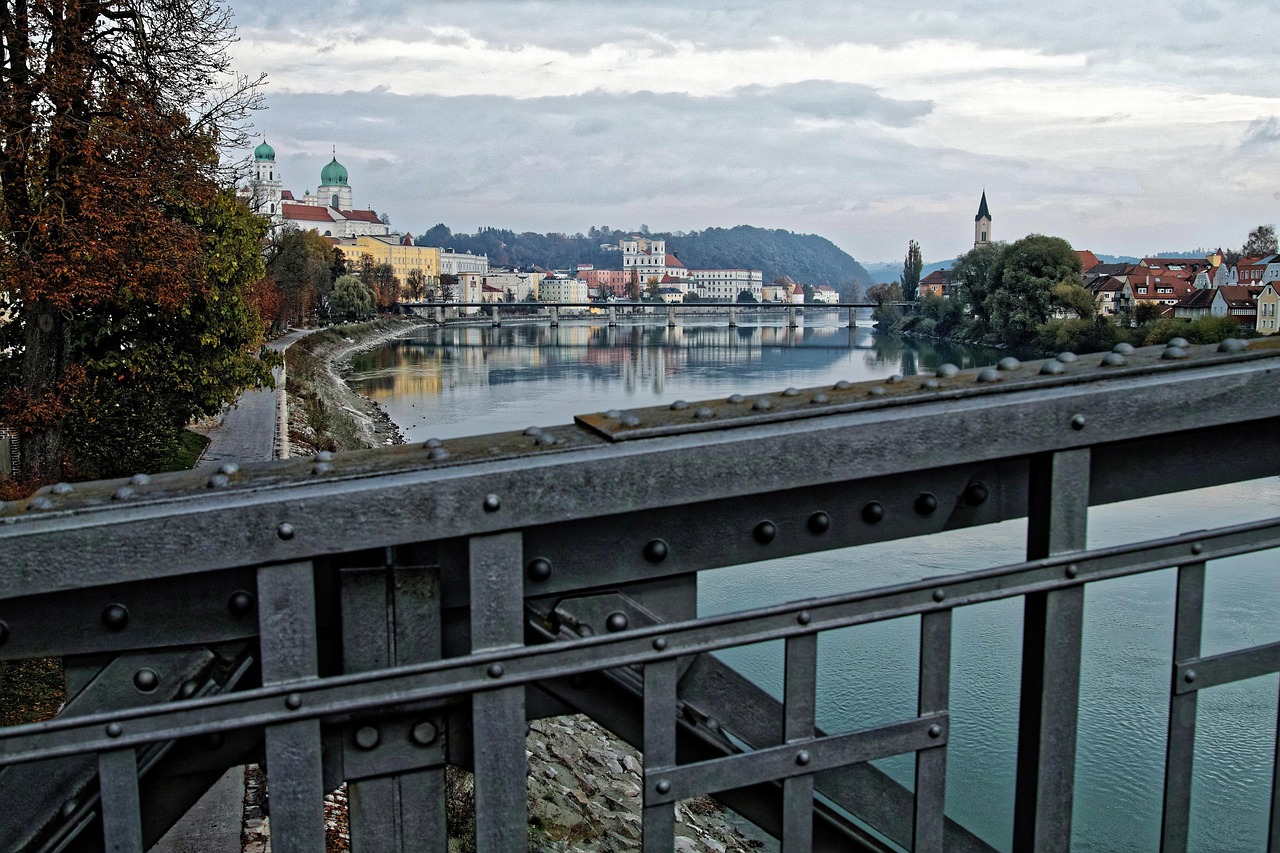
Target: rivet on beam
point(241, 602)
point(819, 522)
point(367, 737)
point(765, 532)
point(655, 550)
point(539, 569)
point(873, 512)
point(115, 617)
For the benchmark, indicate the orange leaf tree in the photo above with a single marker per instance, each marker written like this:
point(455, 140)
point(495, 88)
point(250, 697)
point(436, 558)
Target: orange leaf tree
point(119, 245)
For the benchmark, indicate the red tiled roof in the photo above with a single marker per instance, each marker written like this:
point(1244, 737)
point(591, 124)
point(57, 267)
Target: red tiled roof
point(286, 195)
point(306, 212)
point(1199, 298)
point(673, 261)
point(935, 277)
point(361, 215)
point(1088, 260)
point(1240, 296)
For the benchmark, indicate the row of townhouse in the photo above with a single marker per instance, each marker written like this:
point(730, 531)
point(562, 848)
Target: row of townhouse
point(1191, 288)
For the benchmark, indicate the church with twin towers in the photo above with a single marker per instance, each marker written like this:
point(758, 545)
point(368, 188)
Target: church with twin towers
point(330, 210)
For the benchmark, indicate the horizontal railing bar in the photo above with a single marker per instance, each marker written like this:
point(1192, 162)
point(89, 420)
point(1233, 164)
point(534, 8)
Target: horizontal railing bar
point(296, 514)
point(794, 759)
point(357, 692)
point(1215, 670)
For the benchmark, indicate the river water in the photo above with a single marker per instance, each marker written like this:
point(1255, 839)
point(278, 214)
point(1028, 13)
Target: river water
point(469, 380)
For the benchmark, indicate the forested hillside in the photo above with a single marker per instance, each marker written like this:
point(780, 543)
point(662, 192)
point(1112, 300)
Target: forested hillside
point(807, 258)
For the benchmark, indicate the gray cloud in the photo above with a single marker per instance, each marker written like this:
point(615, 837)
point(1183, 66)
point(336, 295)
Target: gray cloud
point(1262, 131)
point(850, 161)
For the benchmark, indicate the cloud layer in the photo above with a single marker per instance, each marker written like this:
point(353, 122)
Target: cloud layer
point(1123, 127)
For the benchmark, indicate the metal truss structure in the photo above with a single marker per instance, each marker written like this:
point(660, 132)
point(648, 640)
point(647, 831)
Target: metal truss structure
point(373, 616)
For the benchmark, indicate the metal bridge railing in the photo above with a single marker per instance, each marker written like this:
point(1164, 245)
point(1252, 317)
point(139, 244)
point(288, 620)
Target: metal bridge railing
point(374, 616)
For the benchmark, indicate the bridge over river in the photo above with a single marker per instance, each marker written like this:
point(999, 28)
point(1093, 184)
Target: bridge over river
point(374, 616)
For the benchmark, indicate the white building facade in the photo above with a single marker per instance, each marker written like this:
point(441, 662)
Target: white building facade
point(456, 263)
point(727, 284)
point(563, 290)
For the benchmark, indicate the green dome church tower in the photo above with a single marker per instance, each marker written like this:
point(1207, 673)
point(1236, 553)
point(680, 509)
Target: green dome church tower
point(266, 187)
point(334, 189)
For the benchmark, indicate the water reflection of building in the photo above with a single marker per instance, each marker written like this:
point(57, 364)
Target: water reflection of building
point(638, 356)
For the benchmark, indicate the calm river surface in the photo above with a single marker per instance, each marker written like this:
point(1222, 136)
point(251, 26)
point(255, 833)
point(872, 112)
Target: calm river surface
point(470, 380)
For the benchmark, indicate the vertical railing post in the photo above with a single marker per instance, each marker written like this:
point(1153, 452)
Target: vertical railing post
point(391, 616)
point(659, 750)
point(1057, 522)
point(498, 716)
point(1181, 745)
point(798, 712)
point(287, 629)
point(931, 764)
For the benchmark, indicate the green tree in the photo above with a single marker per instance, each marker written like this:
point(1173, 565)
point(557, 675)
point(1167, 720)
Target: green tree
point(746, 296)
point(973, 273)
point(148, 372)
point(1260, 242)
point(884, 294)
point(911, 271)
point(351, 298)
point(301, 263)
point(1021, 297)
point(1071, 298)
point(633, 285)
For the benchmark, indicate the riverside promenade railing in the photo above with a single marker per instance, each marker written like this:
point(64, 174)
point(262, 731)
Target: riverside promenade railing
point(372, 616)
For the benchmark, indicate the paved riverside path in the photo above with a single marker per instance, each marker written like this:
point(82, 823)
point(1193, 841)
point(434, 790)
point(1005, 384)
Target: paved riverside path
point(251, 431)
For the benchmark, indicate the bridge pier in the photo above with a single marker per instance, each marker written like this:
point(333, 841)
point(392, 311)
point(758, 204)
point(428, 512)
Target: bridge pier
point(613, 316)
point(440, 314)
point(494, 314)
point(791, 317)
point(671, 316)
point(733, 317)
point(853, 318)
point(555, 316)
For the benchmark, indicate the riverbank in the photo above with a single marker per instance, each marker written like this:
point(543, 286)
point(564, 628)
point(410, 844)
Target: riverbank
point(584, 784)
point(324, 412)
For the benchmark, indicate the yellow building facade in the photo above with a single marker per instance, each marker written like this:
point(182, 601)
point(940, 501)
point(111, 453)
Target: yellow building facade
point(403, 259)
point(1269, 309)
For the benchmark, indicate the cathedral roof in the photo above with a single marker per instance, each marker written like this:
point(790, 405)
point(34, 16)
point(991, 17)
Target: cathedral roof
point(334, 174)
point(982, 208)
point(264, 152)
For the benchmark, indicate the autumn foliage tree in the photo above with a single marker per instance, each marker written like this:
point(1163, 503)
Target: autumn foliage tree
point(125, 264)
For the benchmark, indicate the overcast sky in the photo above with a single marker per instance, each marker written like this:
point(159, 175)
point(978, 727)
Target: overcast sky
point(1125, 127)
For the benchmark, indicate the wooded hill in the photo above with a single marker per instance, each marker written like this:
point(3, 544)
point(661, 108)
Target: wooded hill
point(806, 258)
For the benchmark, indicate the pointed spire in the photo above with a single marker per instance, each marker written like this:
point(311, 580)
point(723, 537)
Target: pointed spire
point(982, 208)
